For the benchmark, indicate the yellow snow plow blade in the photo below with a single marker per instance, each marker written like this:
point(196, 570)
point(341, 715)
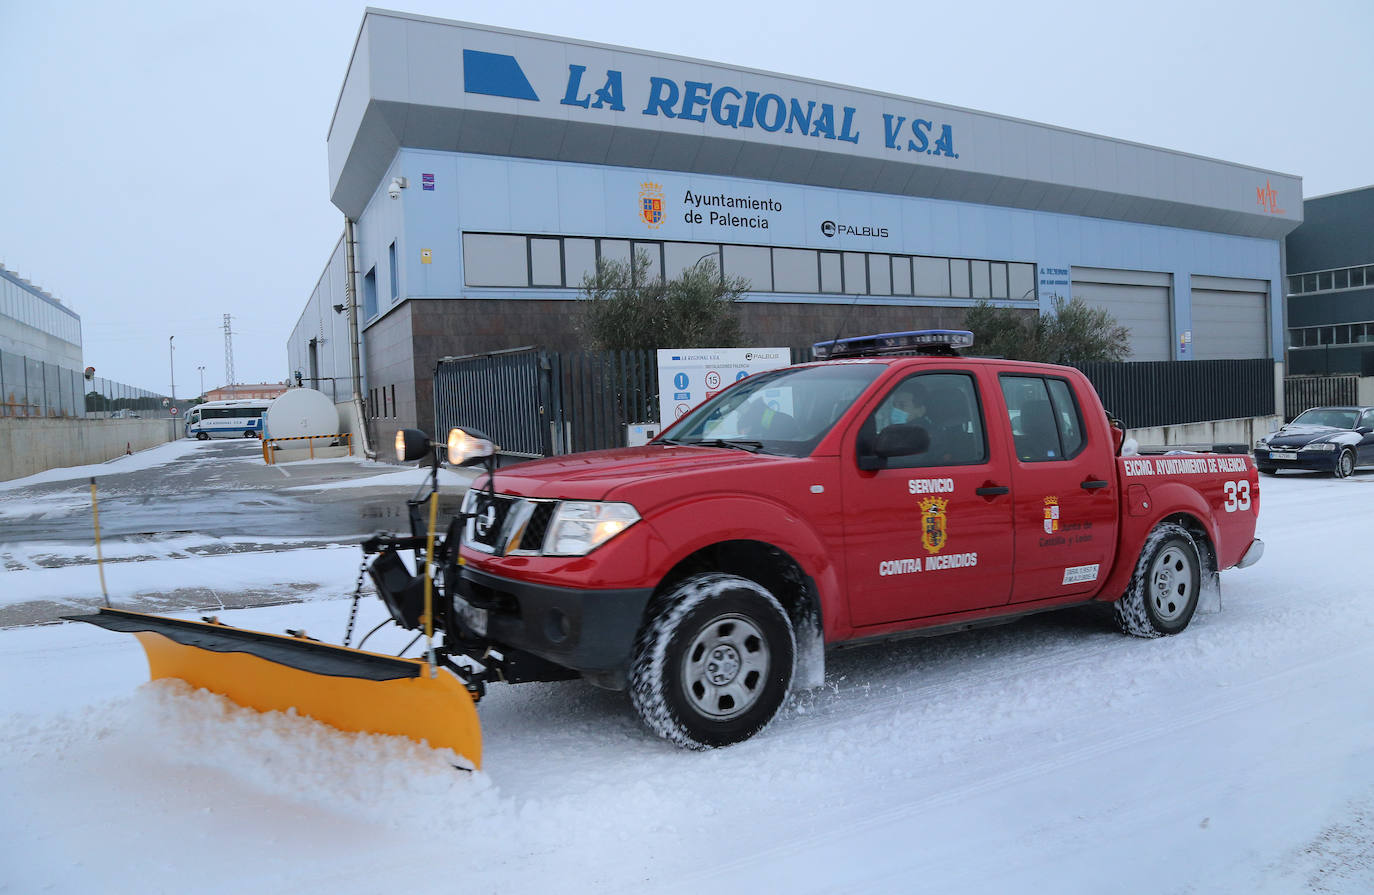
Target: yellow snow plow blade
point(345, 688)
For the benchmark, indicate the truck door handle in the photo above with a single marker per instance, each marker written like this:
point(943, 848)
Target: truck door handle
point(991, 490)
point(1093, 484)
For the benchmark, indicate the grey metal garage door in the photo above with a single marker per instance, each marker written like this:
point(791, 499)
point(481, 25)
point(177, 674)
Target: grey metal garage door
point(1230, 318)
point(1139, 300)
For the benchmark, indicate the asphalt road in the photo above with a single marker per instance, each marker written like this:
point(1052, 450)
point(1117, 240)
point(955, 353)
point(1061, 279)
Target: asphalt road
point(218, 496)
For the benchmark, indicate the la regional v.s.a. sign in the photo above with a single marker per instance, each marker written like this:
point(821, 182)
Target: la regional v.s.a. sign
point(719, 105)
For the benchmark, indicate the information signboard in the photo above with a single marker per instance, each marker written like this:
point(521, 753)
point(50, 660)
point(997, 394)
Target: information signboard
point(688, 376)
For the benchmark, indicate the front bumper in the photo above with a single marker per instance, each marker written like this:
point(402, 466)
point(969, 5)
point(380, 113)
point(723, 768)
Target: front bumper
point(1312, 461)
point(591, 632)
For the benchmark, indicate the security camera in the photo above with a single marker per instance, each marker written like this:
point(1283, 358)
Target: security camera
point(394, 188)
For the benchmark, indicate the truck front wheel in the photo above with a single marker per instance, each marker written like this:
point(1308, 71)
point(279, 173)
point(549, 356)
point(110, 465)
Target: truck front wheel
point(1163, 592)
point(714, 663)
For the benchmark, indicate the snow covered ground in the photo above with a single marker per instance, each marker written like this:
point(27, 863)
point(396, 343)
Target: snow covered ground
point(1052, 755)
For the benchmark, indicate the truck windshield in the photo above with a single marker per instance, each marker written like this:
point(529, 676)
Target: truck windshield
point(785, 411)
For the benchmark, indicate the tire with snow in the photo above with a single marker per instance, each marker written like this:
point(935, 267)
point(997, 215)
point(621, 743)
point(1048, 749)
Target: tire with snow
point(1345, 464)
point(1163, 593)
point(714, 662)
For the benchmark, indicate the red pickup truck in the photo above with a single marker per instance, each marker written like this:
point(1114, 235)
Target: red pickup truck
point(859, 497)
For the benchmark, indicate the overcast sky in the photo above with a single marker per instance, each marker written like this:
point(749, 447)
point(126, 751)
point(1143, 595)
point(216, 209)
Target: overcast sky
point(163, 164)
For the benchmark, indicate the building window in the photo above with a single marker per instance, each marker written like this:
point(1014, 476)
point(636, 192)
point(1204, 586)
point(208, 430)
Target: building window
point(932, 277)
point(1021, 281)
point(653, 253)
point(752, 263)
point(901, 276)
point(370, 294)
point(832, 280)
point(617, 250)
point(579, 261)
point(546, 262)
point(794, 270)
point(880, 274)
point(958, 278)
point(682, 256)
point(395, 280)
point(393, 400)
point(855, 273)
point(521, 261)
point(490, 260)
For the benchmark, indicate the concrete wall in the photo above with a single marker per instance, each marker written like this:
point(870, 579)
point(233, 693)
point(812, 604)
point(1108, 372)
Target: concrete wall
point(28, 446)
point(1203, 435)
point(1366, 391)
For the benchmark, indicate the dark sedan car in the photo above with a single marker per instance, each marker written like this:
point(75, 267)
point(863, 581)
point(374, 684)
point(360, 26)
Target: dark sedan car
point(1323, 439)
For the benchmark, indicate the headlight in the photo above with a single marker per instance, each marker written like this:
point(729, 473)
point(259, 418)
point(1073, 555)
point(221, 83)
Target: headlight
point(1319, 446)
point(1262, 443)
point(580, 526)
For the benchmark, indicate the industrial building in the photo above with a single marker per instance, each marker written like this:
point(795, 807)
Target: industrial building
point(485, 172)
point(1331, 285)
point(35, 325)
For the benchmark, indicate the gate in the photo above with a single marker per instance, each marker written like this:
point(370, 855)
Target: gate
point(536, 403)
point(1302, 392)
point(508, 395)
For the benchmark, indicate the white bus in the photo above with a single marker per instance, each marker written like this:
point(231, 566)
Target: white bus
point(226, 419)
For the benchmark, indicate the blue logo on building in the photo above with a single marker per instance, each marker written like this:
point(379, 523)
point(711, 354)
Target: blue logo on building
point(495, 74)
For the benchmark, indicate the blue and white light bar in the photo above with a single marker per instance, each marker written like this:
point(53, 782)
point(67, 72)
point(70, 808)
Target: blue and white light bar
point(920, 341)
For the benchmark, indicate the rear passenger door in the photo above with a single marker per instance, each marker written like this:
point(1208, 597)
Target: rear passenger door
point(1065, 490)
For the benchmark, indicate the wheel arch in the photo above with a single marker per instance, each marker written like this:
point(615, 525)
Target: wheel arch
point(1209, 576)
point(777, 571)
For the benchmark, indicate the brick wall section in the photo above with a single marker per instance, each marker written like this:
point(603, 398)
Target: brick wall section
point(403, 347)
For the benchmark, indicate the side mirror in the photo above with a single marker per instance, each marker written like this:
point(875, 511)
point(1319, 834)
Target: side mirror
point(1364, 430)
point(902, 440)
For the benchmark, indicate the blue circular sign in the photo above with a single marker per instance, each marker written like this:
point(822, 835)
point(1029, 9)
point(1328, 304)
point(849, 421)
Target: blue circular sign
point(680, 380)
point(741, 374)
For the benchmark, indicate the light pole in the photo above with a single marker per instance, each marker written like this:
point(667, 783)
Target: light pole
point(171, 363)
point(201, 368)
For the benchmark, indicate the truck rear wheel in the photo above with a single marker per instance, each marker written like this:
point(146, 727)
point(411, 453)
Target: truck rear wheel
point(1163, 592)
point(714, 663)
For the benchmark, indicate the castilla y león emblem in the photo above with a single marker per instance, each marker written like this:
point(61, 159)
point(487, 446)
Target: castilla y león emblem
point(933, 532)
point(1051, 515)
point(651, 204)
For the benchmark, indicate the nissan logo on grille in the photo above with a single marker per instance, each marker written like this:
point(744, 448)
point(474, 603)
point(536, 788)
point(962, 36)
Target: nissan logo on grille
point(486, 520)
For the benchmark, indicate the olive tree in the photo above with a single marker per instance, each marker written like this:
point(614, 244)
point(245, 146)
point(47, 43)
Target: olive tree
point(625, 306)
point(1072, 333)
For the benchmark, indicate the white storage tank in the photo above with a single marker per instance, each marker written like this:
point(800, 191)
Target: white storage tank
point(300, 411)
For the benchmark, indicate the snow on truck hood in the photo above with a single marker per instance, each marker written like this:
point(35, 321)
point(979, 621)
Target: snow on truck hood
point(593, 475)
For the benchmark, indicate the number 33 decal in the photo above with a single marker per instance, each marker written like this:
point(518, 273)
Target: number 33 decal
point(1237, 496)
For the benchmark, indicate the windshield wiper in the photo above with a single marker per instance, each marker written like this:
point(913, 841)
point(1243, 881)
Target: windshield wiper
point(741, 444)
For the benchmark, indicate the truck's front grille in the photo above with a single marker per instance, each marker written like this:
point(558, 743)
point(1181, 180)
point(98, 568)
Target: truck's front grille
point(538, 526)
point(502, 523)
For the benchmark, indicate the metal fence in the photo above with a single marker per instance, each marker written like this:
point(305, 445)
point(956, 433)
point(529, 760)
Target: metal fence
point(508, 395)
point(1302, 392)
point(1168, 393)
point(33, 388)
point(537, 403)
